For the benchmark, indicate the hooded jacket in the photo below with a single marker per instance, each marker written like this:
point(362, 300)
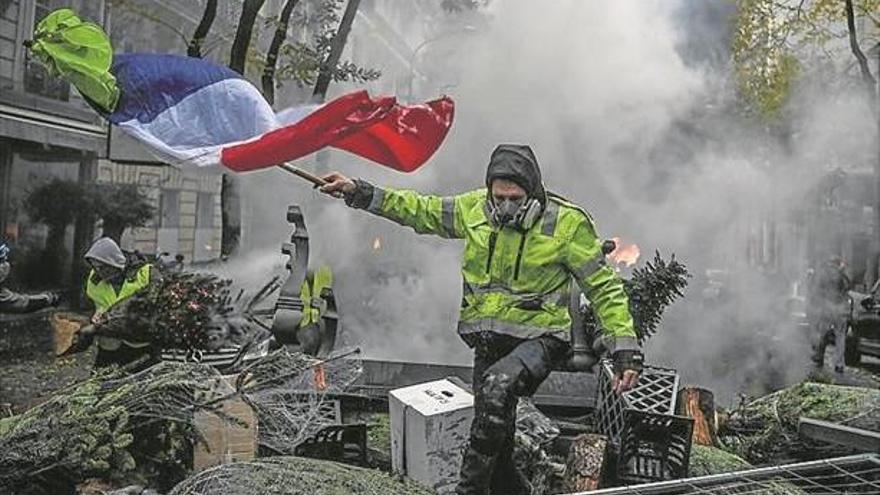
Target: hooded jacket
point(516, 282)
point(517, 163)
point(106, 296)
point(108, 252)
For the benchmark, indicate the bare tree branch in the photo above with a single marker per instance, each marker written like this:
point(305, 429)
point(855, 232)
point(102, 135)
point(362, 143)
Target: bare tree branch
point(268, 79)
point(194, 49)
point(856, 49)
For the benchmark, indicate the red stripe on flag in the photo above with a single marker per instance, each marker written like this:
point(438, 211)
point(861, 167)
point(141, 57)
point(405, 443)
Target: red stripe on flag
point(400, 137)
point(405, 138)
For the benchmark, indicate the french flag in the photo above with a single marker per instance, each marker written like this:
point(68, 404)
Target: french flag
point(192, 113)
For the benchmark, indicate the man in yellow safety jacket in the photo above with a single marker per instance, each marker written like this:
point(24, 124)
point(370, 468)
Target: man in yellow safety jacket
point(311, 325)
point(522, 246)
point(111, 281)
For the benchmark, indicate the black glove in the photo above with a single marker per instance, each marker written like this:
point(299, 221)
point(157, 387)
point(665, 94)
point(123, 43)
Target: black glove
point(361, 196)
point(628, 360)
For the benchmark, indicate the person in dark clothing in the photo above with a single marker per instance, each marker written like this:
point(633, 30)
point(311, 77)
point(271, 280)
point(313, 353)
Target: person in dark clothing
point(14, 302)
point(828, 307)
point(523, 246)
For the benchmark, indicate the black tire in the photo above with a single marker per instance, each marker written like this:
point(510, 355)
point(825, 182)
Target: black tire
point(851, 355)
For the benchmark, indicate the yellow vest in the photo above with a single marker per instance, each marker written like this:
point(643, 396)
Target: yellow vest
point(323, 278)
point(104, 296)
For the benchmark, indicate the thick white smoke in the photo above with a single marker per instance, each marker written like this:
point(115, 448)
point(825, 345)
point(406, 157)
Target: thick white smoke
point(630, 118)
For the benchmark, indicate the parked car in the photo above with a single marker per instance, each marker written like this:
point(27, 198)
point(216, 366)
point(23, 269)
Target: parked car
point(864, 336)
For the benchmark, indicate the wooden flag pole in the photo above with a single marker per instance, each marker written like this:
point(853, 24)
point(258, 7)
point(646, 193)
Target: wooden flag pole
point(314, 179)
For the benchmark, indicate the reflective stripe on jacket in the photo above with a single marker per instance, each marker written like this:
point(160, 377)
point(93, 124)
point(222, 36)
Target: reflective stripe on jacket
point(517, 282)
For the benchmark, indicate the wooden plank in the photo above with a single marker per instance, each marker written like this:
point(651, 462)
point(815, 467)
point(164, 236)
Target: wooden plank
point(825, 431)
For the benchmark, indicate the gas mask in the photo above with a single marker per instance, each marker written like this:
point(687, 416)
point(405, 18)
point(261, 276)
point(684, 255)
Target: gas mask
point(520, 213)
point(4, 271)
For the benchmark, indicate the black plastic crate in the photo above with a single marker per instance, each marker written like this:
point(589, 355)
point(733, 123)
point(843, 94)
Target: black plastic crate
point(656, 392)
point(654, 447)
point(649, 441)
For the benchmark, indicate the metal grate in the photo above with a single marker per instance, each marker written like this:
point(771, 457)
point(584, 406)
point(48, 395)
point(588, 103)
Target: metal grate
point(854, 475)
point(656, 392)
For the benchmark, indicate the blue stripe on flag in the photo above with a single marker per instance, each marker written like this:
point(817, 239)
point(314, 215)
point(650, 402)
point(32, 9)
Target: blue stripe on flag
point(151, 83)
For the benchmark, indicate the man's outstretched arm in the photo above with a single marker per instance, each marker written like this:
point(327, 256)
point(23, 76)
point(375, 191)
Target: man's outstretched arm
point(13, 302)
point(424, 213)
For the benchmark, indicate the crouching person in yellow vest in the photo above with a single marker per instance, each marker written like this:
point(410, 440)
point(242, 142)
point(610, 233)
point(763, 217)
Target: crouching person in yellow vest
point(111, 282)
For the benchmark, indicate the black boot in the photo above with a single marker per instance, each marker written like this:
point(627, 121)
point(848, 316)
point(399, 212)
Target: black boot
point(476, 473)
point(507, 479)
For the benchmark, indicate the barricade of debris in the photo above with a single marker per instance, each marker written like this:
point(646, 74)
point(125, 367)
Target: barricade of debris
point(285, 422)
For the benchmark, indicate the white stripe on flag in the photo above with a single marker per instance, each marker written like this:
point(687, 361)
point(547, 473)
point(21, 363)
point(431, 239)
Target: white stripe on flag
point(191, 133)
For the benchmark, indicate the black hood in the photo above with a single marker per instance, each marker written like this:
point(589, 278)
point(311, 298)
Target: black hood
point(516, 163)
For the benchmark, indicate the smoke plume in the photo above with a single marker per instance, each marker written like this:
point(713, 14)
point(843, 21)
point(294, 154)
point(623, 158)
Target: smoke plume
point(630, 110)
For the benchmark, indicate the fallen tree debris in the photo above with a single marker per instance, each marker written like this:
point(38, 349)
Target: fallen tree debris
point(141, 428)
point(765, 430)
point(101, 426)
point(706, 460)
point(286, 475)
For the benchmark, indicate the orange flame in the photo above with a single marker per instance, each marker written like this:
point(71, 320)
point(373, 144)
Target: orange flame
point(377, 243)
point(625, 254)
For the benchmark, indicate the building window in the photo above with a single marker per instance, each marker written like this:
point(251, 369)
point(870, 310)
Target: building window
point(36, 78)
point(169, 214)
point(205, 211)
